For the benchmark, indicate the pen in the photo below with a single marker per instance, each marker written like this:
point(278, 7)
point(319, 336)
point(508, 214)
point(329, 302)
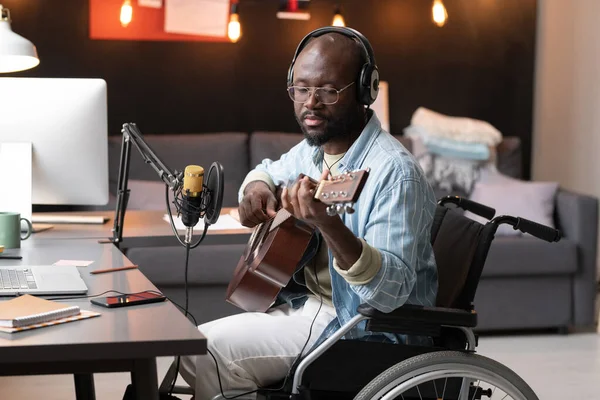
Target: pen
point(101, 271)
point(11, 258)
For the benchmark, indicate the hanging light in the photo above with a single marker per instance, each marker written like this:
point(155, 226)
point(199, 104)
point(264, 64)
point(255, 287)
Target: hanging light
point(294, 9)
point(234, 28)
point(16, 52)
point(338, 18)
point(440, 15)
point(126, 13)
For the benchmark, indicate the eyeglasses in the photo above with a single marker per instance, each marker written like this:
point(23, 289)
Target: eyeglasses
point(324, 95)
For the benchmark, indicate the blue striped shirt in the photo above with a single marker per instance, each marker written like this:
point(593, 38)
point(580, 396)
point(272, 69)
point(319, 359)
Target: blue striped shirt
point(394, 214)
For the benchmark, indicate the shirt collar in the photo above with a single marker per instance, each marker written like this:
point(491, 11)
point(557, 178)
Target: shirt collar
point(358, 150)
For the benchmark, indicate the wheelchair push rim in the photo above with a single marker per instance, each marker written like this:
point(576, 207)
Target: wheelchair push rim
point(436, 368)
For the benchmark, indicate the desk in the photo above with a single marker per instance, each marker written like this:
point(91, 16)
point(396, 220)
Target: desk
point(141, 229)
point(122, 339)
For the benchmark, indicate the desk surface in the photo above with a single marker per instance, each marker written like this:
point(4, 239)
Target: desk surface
point(141, 331)
point(140, 228)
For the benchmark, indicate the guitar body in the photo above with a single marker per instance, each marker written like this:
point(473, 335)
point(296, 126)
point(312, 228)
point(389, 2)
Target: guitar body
point(269, 261)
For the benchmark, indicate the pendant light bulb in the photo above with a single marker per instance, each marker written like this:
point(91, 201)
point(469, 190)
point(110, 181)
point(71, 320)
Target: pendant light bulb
point(234, 28)
point(440, 15)
point(338, 18)
point(126, 13)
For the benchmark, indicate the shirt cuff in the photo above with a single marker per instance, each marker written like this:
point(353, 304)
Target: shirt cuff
point(364, 269)
point(255, 175)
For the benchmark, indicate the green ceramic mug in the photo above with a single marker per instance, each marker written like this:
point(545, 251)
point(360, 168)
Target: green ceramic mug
point(10, 230)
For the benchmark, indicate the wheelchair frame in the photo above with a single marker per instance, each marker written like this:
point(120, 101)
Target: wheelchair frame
point(411, 318)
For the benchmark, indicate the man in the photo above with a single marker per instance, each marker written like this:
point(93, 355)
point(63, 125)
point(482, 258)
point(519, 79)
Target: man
point(380, 255)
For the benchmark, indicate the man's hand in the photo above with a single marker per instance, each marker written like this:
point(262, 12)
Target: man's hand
point(258, 204)
point(299, 200)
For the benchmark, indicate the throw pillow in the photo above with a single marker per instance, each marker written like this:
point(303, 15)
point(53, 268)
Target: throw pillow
point(147, 195)
point(531, 200)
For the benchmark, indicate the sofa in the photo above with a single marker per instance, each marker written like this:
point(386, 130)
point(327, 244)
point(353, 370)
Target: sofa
point(526, 283)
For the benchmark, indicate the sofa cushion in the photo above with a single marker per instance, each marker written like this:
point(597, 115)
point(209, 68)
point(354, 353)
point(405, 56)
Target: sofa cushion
point(178, 151)
point(146, 195)
point(529, 256)
point(271, 145)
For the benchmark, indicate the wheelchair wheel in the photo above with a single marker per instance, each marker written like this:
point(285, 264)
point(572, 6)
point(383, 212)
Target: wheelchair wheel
point(445, 375)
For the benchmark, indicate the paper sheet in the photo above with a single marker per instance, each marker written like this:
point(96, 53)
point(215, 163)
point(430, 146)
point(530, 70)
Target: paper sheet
point(16, 178)
point(197, 17)
point(150, 3)
point(223, 223)
point(76, 263)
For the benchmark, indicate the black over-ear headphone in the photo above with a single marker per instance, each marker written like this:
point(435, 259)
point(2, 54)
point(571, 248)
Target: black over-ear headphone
point(368, 82)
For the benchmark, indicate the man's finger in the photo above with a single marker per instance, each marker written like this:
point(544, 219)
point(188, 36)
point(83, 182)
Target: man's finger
point(246, 217)
point(271, 205)
point(304, 190)
point(293, 191)
point(285, 201)
point(257, 209)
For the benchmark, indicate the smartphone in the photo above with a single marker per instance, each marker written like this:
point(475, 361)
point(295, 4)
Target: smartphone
point(127, 300)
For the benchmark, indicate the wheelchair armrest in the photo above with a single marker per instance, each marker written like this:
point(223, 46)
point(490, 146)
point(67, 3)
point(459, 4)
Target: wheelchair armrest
point(413, 319)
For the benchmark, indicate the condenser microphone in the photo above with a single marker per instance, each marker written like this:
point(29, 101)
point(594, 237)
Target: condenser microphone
point(191, 205)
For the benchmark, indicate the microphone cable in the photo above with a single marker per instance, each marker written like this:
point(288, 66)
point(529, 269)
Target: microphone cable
point(296, 361)
point(185, 279)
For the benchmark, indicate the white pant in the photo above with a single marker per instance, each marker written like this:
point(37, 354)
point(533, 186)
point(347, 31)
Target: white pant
point(254, 349)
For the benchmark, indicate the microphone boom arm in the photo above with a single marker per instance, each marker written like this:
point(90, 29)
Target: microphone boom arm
point(174, 180)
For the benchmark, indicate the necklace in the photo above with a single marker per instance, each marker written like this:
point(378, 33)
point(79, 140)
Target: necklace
point(331, 166)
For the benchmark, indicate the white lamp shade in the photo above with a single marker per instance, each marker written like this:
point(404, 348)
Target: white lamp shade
point(16, 52)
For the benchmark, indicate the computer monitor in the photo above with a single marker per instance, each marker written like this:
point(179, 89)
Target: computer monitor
point(66, 121)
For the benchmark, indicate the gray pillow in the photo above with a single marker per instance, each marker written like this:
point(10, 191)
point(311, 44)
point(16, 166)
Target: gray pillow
point(531, 200)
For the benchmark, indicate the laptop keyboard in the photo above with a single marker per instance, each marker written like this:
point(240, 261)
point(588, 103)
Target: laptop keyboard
point(17, 279)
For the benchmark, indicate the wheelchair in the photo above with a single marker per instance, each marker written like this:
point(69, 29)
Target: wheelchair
point(448, 367)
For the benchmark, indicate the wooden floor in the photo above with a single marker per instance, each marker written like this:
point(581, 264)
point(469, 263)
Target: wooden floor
point(557, 367)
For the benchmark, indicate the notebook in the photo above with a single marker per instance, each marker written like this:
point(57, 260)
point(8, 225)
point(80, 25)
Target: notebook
point(30, 310)
point(84, 314)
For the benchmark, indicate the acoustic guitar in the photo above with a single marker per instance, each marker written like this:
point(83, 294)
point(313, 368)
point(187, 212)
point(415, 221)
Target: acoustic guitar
point(277, 246)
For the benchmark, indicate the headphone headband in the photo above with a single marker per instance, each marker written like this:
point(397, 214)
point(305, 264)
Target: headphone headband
point(368, 82)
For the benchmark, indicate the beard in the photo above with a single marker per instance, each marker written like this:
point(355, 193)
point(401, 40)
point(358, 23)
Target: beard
point(334, 127)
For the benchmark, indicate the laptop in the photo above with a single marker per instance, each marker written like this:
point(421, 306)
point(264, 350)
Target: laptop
point(41, 279)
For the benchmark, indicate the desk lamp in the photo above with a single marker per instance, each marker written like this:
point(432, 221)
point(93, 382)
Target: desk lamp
point(16, 52)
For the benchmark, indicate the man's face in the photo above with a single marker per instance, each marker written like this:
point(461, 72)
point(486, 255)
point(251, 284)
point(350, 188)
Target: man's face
point(319, 122)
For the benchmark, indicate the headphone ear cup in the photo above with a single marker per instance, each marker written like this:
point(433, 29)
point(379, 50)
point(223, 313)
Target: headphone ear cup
point(290, 76)
point(363, 82)
point(373, 85)
point(369, 84)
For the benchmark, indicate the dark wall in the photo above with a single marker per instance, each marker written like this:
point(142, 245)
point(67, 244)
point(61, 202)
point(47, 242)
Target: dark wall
point(480, 65)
